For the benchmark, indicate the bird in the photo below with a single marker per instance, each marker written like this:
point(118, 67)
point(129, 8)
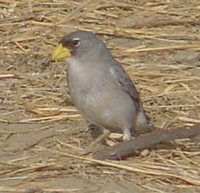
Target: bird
point(99, 86)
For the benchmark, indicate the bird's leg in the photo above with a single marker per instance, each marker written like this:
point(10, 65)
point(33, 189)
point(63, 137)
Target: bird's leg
point(126, 134)
point(92, 146)
point(95, 130)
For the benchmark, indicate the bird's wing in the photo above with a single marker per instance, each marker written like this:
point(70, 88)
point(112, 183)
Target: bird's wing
point(126, 84)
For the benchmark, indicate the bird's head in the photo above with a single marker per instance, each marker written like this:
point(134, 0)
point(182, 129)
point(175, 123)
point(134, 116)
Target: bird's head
point(77, 44)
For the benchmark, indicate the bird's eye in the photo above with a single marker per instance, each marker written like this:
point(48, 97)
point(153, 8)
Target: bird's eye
point(76, 42)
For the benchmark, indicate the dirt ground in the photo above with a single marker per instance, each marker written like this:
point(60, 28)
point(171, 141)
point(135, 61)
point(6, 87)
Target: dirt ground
point(42, 134)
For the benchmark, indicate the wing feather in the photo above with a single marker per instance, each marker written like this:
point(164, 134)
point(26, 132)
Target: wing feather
point(126, 84)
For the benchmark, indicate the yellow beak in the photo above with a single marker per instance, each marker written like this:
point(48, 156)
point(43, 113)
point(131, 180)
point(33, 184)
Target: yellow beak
point(60, 53)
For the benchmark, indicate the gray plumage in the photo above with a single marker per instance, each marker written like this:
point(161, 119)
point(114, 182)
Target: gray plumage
point(99, 86)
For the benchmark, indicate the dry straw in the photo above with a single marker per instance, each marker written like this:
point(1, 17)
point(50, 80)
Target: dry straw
point(158, 44)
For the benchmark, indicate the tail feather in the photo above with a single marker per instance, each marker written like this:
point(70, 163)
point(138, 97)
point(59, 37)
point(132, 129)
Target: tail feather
point(143, 124)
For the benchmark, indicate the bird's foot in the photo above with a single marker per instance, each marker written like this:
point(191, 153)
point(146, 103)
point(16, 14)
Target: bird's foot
point(91, 147)
point(126, 135)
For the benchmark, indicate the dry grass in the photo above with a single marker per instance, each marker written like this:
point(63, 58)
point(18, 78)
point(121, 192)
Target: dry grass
point(158, 44)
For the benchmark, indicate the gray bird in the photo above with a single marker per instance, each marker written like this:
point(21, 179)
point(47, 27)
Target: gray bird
point(99, 86)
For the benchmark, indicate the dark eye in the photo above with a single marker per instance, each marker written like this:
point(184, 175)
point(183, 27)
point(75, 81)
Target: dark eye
point(76, 42)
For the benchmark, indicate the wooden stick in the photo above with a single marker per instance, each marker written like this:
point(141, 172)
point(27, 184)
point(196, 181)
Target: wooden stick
point(127, 148)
